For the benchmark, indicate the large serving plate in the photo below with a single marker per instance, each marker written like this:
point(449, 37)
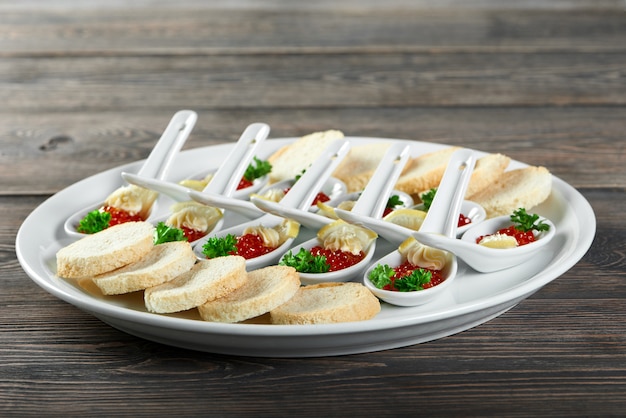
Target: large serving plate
point(472, 299)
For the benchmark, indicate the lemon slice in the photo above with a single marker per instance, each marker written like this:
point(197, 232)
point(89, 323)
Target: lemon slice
point(498, 241)
point(288, 229)
point(194, 215)
point(340, 235)
point(198, 185)
point(408, 218)
point(276, 236)
point(329, 211)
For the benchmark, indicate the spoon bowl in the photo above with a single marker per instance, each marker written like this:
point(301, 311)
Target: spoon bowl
point(484, 259)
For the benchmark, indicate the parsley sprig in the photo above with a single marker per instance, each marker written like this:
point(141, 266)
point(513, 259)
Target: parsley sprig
point(220, 246)
point(94, 221)
point(526, 222)
point(393, 202)
point(381, 276)
point(257, 168)
point(164, 233)
point(305, 262)
point(427, 198)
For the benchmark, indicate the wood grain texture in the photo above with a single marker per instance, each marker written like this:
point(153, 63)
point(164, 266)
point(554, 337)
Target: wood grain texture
point(86, 86)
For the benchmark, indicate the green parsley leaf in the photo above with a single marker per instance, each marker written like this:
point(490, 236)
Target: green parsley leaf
point(381, 275)
point(527, 222)
point(305, 262)
point(394, 201)
point(257, 168)
point(94, 221)
point(414, 281)
point(165, 233)
point(427, 197)
point(297, 177)
point(220, 246)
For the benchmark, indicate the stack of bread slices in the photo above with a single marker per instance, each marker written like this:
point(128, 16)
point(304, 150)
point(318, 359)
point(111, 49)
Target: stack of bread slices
point(123, 259)
point(499, 190)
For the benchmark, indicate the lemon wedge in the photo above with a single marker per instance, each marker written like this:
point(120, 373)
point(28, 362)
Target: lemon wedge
point(194, 215)
point(340, 235)
point(197, 185)
point(408, 218)
point(498, 241)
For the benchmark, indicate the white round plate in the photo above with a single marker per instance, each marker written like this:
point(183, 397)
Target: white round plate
point(472, 299)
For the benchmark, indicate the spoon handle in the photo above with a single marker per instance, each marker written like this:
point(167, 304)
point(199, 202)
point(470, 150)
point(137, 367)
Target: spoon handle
point(228, 175)
point(173, 190)
point(174, 136)
point(442, 217)
point(373, 200)
point(242, 207)
point(304, 190)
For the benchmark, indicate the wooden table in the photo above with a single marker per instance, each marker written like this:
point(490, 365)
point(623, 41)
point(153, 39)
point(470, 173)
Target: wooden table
point(87, 88)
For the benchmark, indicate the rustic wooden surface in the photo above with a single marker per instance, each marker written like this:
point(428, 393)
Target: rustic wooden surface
point(88, 87)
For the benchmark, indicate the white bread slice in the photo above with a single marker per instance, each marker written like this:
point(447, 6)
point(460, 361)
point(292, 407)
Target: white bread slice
point(266, 289)
point(326, 303)
point(359, 165)
point(207, 280)
point(425, 171)
point(163, 263)
point(521, 188)
point(290, 160)
point(105, 251)
point(487, 170)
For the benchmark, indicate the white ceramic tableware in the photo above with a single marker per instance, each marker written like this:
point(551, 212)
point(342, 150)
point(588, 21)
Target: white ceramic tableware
point(442, 218)
point(371, 202)
point(156, 166)
point(300, 196)
point(486, 259)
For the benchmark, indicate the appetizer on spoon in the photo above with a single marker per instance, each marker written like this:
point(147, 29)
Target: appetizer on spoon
point(197, 219)
point(415, 274)
point(342, 251)
point(262, 241)
point(498, 243)
point(129, 202)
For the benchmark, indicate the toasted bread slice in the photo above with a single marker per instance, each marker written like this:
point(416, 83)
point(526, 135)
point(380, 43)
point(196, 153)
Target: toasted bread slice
point(327, 303)
point(290, 160)
point(207, 280)
point(266, 289)
point(487, 170)
point(161, 264)
point(359, 165)
point(425, 171)
point(521, 188)
point(105, 251)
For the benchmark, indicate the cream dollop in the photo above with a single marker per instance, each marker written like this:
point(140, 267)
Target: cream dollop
point(194, 216)
point(132, 199)
point(342, 236)
point(424, 256)
point(273, 194)
point(271, 237)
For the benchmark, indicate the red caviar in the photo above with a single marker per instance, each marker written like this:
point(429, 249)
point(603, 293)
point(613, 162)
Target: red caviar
point(320, 197)
point(407, 268)
point(251, 246)
point(522, 237)
point(120, 216)
point(463, 220)
point(243, 183)
point(192, 234)
point(338, 260)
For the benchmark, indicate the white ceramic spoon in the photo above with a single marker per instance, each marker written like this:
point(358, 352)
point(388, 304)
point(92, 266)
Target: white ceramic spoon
point(484, 259)
point(156, 165)
point(225, 180)
point(372, 202)
point(334, 188)
point(312, 220)
point(300, 196)
point(442, 219)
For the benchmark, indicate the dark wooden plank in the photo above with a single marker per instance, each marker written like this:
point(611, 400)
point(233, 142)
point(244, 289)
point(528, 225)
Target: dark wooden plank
point(283, 27)
point(311, 80)
point(45, 152)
